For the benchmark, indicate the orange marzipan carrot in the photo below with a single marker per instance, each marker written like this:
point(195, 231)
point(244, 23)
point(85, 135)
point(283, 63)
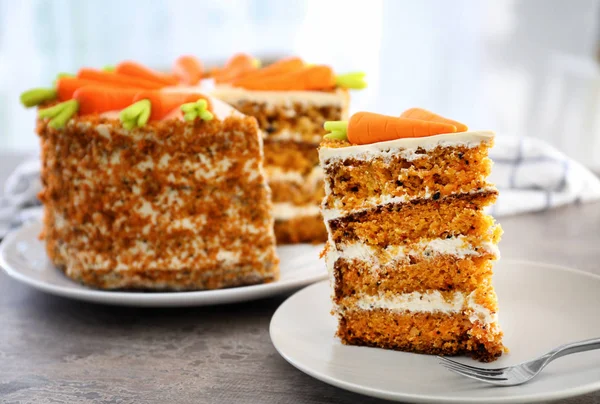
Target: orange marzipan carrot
point(318, 77)
point(164, 102)
point(66, 86)
point(368, 127)
point(281, 66)
point(425, 115)
point(139, 71)
point(104, 77)
point(96, 99)
point(188, 69)
point(235, 67)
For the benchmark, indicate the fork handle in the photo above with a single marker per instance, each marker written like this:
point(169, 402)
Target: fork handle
point(574, 347)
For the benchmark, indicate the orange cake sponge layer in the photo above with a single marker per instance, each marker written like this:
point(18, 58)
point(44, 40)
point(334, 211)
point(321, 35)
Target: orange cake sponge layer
point(460, 214)
point(305, 119)
point(439, 173)
point(445, 273)
point(427, 333)
point(291, 155)
point(303, 229)
point(310, 192)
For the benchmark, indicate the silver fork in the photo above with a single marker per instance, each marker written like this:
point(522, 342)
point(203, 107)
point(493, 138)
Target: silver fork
point(522, 373)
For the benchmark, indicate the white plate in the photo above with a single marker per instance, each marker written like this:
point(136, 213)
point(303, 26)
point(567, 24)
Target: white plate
point(23, 257)
point(541, 307)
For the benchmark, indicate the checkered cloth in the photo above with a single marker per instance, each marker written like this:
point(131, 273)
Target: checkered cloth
point(533, 176)
point(530, 174)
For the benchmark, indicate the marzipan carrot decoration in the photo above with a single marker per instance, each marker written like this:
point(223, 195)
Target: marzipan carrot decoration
point(64, 88)
point(88, 100)
point(354, 80)
point(133, 69)
point(36, 96)
point(156, 105)
point(164, 102)
point(367, 128)
point(188, 69)
point(235, 68)
point(60, 113)
point(314, 77)
point(123, 80)
point(281, 66)
point(423, 114)
point(198, 109)
point(99, 99)
point(318, 77)
point(138, 107)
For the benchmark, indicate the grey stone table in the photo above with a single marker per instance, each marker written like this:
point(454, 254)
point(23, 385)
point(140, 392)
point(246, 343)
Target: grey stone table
point(54, 350)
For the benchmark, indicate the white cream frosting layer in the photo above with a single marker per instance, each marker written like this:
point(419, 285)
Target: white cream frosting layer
point(232, 95)
point(455, 246)
point(293, 136)
point(430, 302)
point(406, 148)
point(276, 174)
point(287, 211)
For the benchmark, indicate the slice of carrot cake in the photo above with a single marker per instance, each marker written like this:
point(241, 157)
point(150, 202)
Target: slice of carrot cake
point(291, 101)
point(410, 248)
point(147, 186)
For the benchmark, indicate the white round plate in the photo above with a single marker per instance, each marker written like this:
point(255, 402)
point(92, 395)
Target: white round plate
point(541, 307)
point(23, 257)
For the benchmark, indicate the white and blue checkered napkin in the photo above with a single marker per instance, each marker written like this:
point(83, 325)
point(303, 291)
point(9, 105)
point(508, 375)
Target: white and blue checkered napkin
point(18, 200)
point(530, 174)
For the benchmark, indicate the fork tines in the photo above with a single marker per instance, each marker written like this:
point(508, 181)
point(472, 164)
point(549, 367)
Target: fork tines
point(490, 375)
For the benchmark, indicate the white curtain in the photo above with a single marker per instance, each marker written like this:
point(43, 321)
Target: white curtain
point(522, 67)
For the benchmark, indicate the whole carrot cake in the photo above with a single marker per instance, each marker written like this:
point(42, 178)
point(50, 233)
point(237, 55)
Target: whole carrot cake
point(147, 185)
point(410, 248)
point(291, 100)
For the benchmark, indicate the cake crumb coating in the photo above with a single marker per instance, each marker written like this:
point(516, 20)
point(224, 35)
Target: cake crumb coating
point(173, 205)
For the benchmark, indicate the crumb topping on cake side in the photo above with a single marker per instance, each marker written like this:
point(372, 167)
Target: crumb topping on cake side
point(149, 183)
point(291, 101)
point(151, 199)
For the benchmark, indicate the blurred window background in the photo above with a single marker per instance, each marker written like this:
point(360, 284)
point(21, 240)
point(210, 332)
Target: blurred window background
point(522, 67)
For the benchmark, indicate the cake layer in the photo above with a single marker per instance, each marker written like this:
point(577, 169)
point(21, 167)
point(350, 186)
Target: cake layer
point(293, 121)
point(174, 196)
point(286, 210)
point(296, 119)
point(396, 224)
point(289, 115)
point(291, 156)
point(359, 184)
point(301, 229)
point(309, 193)
point(444, 272)
point(434, 333)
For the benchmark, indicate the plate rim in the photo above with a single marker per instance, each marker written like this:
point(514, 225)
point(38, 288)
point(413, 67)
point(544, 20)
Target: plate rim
point(422, 398)
point(153, 299)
